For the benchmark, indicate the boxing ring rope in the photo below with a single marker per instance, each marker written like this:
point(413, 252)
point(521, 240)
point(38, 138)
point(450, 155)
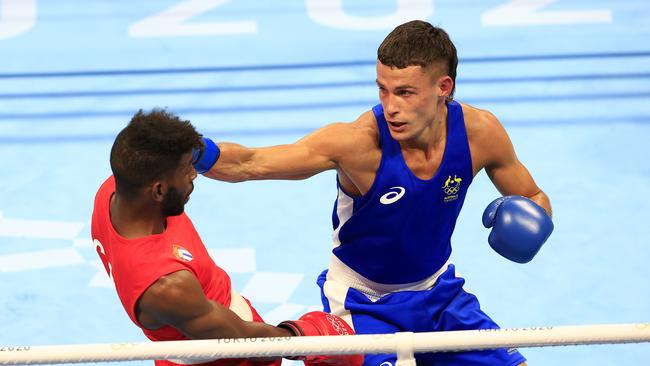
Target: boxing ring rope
point(403, 344)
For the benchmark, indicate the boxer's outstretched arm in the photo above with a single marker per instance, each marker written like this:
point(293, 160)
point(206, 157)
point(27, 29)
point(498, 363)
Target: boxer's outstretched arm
point(314, 153)
point(177, 300)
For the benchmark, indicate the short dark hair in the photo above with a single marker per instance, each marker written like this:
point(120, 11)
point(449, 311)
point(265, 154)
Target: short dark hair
point(419, 43)
point(149, 148)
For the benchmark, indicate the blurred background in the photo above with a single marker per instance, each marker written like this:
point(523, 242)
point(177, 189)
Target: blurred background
point(569, 79)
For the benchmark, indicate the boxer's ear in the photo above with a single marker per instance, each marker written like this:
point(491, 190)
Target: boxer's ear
point(158, 191)
point(445, 86)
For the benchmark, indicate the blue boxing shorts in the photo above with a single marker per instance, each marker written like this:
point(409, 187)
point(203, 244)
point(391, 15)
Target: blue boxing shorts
point(436, 304)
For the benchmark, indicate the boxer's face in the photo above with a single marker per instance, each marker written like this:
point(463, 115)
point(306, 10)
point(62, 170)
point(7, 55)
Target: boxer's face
point(180, 186)
point(411, 98)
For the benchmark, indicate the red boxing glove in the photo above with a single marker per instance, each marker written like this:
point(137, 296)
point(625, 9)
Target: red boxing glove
point(318, 323)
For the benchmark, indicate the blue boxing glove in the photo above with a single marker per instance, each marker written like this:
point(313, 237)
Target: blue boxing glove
point(204, 158)
point(519, 227)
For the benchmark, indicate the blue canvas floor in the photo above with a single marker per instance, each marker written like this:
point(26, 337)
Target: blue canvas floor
point(570, 81)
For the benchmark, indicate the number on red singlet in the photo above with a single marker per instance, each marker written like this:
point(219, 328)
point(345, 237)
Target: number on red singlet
point(102, 256)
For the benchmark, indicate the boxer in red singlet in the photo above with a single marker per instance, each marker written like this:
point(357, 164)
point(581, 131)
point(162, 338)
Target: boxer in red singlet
point(163, 274)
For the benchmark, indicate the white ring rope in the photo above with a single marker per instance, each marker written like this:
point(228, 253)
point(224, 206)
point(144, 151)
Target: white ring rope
point(400, 343)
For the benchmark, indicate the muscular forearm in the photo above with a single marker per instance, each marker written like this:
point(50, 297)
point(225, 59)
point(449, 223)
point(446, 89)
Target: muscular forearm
point(243, 330)
point(223, 323)
point(235, 163)
point(254, 329)
point(291, 162)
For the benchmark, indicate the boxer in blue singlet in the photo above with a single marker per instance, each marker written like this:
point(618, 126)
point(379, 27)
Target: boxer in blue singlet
point(403, 169)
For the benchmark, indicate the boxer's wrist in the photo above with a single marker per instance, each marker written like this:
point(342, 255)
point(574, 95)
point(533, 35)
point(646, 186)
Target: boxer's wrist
point(204, 158)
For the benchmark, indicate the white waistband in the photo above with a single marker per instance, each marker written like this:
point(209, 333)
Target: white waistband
point(340, 272)
point(239, 306)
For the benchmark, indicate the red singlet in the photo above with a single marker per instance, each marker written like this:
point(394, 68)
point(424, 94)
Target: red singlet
point(135, 264)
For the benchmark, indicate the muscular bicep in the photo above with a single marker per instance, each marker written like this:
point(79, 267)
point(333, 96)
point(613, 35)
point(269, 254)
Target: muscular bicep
point(177, 300)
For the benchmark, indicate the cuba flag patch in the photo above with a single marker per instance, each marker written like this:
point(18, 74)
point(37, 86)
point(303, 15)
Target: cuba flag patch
point(181, 253)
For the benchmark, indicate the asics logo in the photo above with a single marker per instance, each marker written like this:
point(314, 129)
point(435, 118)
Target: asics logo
point(392, 196)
